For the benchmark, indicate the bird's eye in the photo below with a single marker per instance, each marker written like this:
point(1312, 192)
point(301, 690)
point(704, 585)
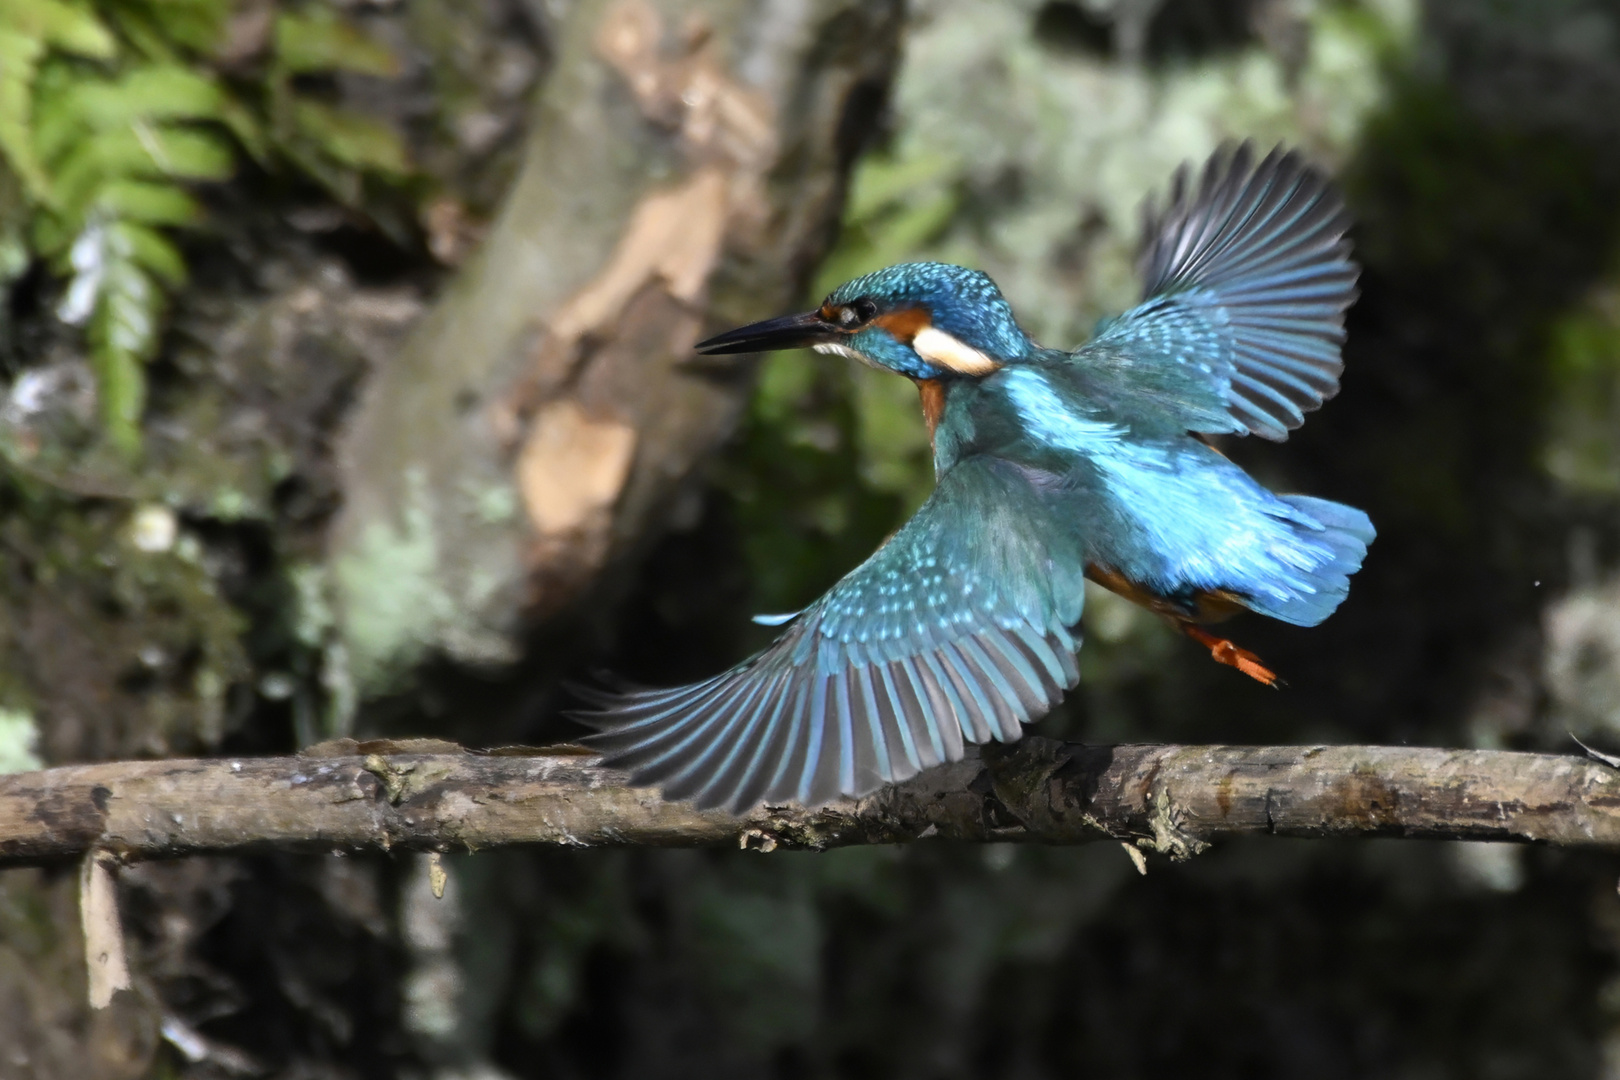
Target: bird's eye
point(857, 313)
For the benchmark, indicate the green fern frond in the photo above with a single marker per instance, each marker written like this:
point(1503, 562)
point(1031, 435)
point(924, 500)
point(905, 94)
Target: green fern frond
point(336, 147)
point(316, 40)
point(108, 113)
point(351, 139)
point(160, 30)
point(156, 93)
point(116, 149)
point(62, 25)
point(116, 295)
point(28, 30)
point(140, 149)
point(19, 60)
point(148, 203)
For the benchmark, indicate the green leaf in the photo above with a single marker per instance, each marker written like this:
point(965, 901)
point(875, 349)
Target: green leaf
point(14, 216)
point(113, 290)
point(157, 26)
point(121, 395)
point(152, 251)
point(19, 62)
point(147, 202)
point(114, 263)
point(51, 234)
point(68, 27)
point(126, 320)
point(139, 150)
point(125, 325)
point(881, 182)
point(350, 138)
point(343, 184)
point(317, 40)
point(148, 94)
point(247, 129)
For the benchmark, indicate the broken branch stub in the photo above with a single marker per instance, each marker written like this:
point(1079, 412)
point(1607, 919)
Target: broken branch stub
point(684, 172)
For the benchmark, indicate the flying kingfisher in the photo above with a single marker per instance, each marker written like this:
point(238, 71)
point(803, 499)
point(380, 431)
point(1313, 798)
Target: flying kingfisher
point(1052, 467)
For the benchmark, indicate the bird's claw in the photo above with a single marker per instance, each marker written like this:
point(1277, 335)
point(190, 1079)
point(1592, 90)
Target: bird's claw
point(1225, 652)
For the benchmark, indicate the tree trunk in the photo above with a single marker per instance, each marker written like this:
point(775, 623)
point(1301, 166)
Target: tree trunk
point(684, 172)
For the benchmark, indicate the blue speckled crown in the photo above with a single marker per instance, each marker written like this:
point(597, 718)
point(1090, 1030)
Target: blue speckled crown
point(964, 303)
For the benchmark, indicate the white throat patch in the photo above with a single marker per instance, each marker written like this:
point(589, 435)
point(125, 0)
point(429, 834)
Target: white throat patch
point(832, 348)
point(938, 347)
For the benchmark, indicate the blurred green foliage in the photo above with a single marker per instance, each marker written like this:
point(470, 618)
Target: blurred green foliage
point(1584, 359)
point(112, 111)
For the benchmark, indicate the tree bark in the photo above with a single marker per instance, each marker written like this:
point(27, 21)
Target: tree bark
point(685, 171)
point(429, 795)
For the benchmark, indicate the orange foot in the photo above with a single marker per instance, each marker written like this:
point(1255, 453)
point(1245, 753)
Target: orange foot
point(1224, 652)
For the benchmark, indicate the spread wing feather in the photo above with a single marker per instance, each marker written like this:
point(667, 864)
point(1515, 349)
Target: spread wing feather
point(959, 629)
point(1246, 276)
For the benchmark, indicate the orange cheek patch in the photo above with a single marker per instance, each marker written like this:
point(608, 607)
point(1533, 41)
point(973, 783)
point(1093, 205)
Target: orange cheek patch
point(903, 325)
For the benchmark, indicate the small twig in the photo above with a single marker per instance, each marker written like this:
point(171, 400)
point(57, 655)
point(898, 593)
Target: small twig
point(1597, 755)
point(104, 958)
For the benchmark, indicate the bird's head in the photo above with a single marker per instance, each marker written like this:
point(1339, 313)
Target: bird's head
point(923, 320)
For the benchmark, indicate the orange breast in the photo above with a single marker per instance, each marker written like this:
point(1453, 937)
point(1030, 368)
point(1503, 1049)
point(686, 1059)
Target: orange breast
point(1211, 606)
point(932, 392)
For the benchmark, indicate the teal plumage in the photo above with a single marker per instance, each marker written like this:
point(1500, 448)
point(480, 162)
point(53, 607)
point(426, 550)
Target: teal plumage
point(1052, 466)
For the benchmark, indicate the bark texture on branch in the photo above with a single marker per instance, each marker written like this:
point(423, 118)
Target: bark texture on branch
point(684, 172)
point(428, 795)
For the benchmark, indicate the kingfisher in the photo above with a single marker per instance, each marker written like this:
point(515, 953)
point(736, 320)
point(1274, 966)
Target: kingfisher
point(1052, 466)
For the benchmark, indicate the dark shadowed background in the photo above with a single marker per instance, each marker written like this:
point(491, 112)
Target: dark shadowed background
point(347, 390)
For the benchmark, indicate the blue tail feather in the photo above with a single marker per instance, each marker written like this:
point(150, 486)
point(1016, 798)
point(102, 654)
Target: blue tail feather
point(1336, 534)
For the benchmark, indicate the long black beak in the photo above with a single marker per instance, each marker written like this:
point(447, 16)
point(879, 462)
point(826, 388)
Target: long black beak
point(788, 332)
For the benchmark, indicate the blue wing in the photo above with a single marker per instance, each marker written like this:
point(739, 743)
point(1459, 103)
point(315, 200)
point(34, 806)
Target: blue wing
point(1246, 282)
point(959, 629)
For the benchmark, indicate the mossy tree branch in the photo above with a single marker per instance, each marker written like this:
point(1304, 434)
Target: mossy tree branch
point(434, 796)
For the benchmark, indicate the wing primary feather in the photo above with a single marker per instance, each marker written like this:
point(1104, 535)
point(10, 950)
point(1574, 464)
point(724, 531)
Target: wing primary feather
point(1040, 651)
point(637, 749)
point(1219, 195)
point(876, 736)
point(796, 743)
point(682, 779)
point(656, 756)
point(845, 727)
point(708, 780)
point(742, 757)
point(980, 713)
point(902, 720)
point(1028, 689)
point(1006, 706)
point(956, 724)
point(1065, 650)
point(656, 697)
point(637, 722)
point(974, 714)
point(816, 745)
point(933, 711)
point(769, 757)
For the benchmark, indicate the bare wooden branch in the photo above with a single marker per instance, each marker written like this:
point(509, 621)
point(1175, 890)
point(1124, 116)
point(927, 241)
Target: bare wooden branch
point(427, 795)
